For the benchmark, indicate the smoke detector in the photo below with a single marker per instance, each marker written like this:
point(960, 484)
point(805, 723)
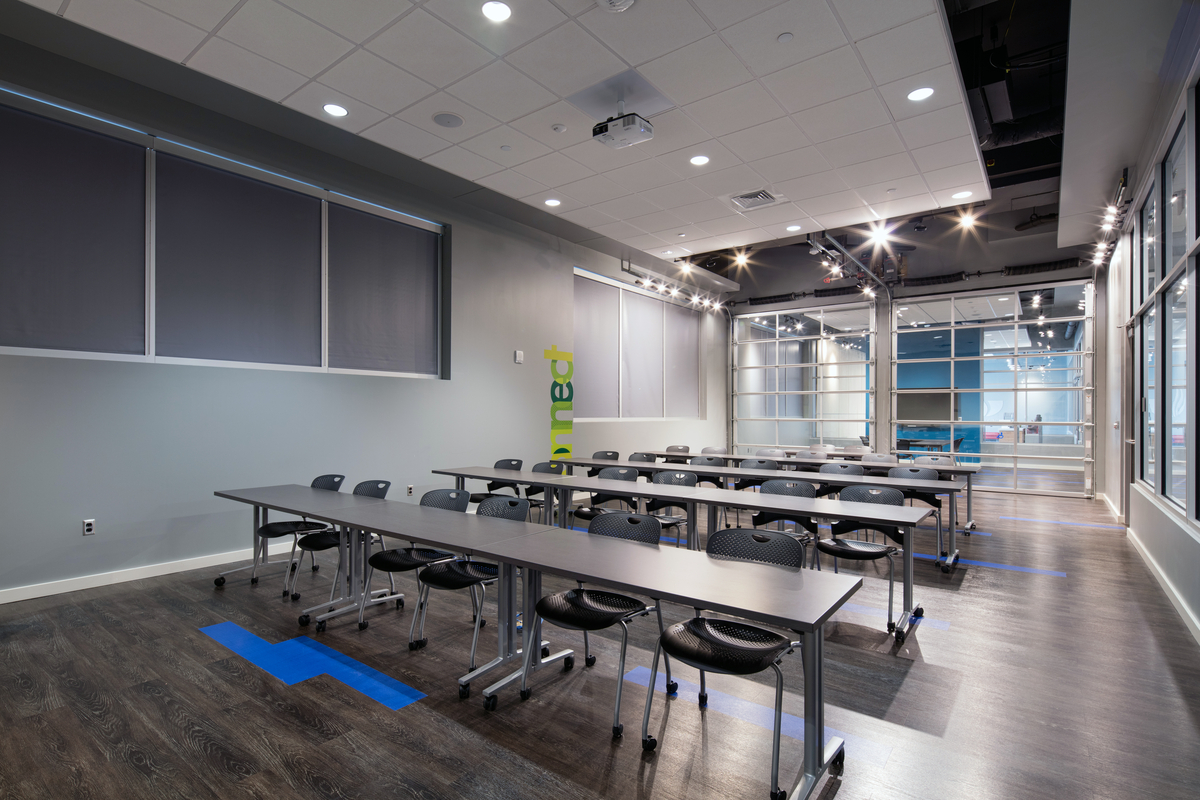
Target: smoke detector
point(614, 6)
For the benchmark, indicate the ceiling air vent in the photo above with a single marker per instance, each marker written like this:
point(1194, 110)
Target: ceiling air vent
point(754, 199)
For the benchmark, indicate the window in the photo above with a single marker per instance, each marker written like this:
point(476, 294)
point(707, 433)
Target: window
point(1148, 397)
point(1150, 245)
point(1174, 222)
point(1175, 458)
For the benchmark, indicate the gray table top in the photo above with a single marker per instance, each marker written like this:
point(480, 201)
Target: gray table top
point(798, 599)
point(521, 476)
point(899, 516)
point(296, 499)
point(958, 469)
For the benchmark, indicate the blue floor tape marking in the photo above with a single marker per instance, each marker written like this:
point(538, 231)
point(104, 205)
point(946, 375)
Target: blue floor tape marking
point(1065, 522)
point(881, 613)
point(302, 658)
point(763, 716)
point(1010, 567)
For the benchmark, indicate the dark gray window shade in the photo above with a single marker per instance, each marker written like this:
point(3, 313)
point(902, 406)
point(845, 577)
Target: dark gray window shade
point(72, 238)
point(238, 267)
point(383, 294)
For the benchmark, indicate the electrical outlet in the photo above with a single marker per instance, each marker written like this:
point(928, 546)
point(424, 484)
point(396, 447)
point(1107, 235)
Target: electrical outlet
point(410, 488)
point(89, 527)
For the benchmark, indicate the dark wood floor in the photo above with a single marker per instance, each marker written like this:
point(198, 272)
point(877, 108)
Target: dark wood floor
point(1019, 685)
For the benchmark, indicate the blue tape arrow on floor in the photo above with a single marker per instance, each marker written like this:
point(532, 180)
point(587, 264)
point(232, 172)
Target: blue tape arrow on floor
point(299, 659)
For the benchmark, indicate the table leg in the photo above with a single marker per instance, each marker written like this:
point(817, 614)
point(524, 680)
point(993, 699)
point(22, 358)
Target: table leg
point(564, 505)
point(948, 558)
point(909, 610)
point(818, 758)
point(969, 525)
point(693, 533)
point(506, 624)
point(460, 483)
point(532, 637)
point(258, 549)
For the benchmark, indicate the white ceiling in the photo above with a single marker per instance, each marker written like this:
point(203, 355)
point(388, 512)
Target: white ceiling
point(823, 119)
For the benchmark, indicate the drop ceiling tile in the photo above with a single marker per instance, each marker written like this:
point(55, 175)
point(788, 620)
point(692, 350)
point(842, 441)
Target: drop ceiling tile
point(723, 13)
point(565, 202)
point(311, 99)
point(421, 114)
point(779, 230)
point(813, 27)
point(690, 234)
point(680, 162)
point(888, 168)
point(734, 180)
point(429, 49)
point(46, 5)
point(232, 64)
point(962, 150)
point(502, 92)
point(782, 213)
point(600, 158)
point(954, 177)
point(843, 117)
point(906, 206)
point(367, 77)
point(937, 126)
point(626, 208)
point(521, 148)
point(915, 47)
point(658, 222)
point(979, 191)
point(744, 238)
point(647, 30)
point(674, 195)
point(643, 175)
point(735, 109)
point(574, 7)
point(723, 226)
point(530, 19)
point(285, 37)
point(673, 130)
point(891, 190)
point(864, 18)
point(554, 169)
point(819, 80)
point(815, 185)
point(355, 19)
point(825, 204)
point(843, 219)
point(696, 71)
point(587, 217)
point(593, 190)
point(618, 230)
point(139, 25)
point(567, 60)
point(707, 245)
point(540, 125)
point(861, 146)
point(796, 164)
point(463, 163)
point(201, 13)
point(405, 138)
point(513, 184)
point(703, 211)
point(648, 243)
point(944, 82)
point(769, 139)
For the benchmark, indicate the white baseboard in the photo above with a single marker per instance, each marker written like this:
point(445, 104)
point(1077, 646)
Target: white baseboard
point(1119, 517)
point(18, 593)
point(1189, 617)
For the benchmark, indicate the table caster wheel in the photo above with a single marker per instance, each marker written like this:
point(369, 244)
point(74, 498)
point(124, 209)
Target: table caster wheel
point(295, 596)
point(590, 661)
point(703, 700)
point(304, 620)
point(618, 731)
point(673, 687)
point(489, 703)
point(464, 691)
point(918, 612)
point(316, 568)
point(321, 626)
point(838, 765)
point(900, 636)
point(285, 593)
point(362, 626)
point(413, 645)
point(649, 743)
point(219, 580)
point(778, 794)
point(400, 603)
point(568, 663)
point(254, 581)
point(946, 568)
point(526, 694)
point(891, 627)
point(545, 652)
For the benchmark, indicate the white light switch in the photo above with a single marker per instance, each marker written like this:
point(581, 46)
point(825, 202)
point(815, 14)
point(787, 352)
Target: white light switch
point(518, 356)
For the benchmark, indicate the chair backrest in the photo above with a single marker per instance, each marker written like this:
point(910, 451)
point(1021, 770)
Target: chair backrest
point(825, 447)
point(508, 463)
point(770, 452)
point(552, 467)
point(607, 455)
point(636, 527)
point(817, 454)
point(447, 499)
point(671, 478)
point(766, 547)
point(883, 495)
point(646, 457)
point(373, 489)
point(788, 488)
point(619, 474)
point(330, 483)
point(720, 451)
point(903, 444)
point(913, 473)
point(841, 468)
point(856, 448)
point(504, 507)
point(707, 461)
point(759, 463)
point(677, 448)
point(879, 458)
point(866, 440)
point(957, 444)
point(945, 461)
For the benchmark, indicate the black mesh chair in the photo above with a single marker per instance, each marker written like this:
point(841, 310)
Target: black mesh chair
point(725, 646)
point(682, 449)
point(645, 458)
point(787, 488)
point(709, 461)
point(670, 478)
point(836, 468)
point(329, 539)
point(866, 440)
point(607, 455)
point(495, 486)
point(902, 445)
point(886, 459)
point(818, 455)
point(277, 530)
point(410, 558)
point(929, 498)
point(943, 461)
point(593, 510)
point(587, 610)
point(858, 550)
point(740, 484)
point(855, 450)
point(462, 573)
point(714, 451)
point(549, 467)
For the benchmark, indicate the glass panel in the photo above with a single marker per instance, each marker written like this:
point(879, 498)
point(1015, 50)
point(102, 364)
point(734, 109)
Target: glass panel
point(798, 379)
point(848, 348)
point(846, 320)
point(1050, 475)
point(755, 432)
point(922, 313)
point(798, 434)
point(987, 440)
point(1148, 387)
point(802, 406)
point(972, 342)
point(843, 433)
point(923, 375)
point(756, 355)
point(798, 323)
point(996, 473)
point(922, 344)
point(984, 308)
point(845, 405)
point(1150, 244)
point(1049, 337)
point(843, 377)
point(1059, 301)
point(755, 405)
point(756, 380)
point(923, 437)
point(984, 406)
point(1175, 218)
point(756, 327)
point(802, 351)
point(1040, 375)
point(1176, 457)
point(923, 405)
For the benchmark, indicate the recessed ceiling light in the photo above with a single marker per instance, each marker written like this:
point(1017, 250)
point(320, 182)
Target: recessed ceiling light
point(793, 228)
point(553, 202)
point(905, 308)
point(699, 161)
point(960, 195)
point(334, 110)
point(1001, 299)
point(505, 147)
point(681, 235)
point(667, 252)
point(448, 120)
point(784, 38)
point(924, 93)
point(496, 12)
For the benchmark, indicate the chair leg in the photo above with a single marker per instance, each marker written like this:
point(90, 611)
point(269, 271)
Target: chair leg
point(672, 687)
point(587, 650)
point(527, 656)
point(366, 595)
point(703, 699)
point(424, 612)
point(422, 599)
point(618, 729)
point(646, 739)
point(775, 791)
point(475, 604)
point(478, 621)
point(293, 568)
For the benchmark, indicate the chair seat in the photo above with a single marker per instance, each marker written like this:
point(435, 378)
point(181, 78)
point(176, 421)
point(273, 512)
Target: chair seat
point(668, 521)
point(587, 609)
point(590, 512)
point(325, 540)
point(925, 497)
point(854, 549)
point(274, 530)
point(459, 574)
point(479, 497)
point(721, 645)
point(406, 559)
point(767, 517)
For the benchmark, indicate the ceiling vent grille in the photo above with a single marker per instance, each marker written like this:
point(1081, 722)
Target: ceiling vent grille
point(1046, 266)
point(754, 199)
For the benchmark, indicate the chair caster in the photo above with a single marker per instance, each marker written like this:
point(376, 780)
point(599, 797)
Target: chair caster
point(489, 703)
point(482, 622)
point(946, 568)
point(590, 661)
point(285, 594)
point(321, 626)
point(464, 691)
point(703, 700)
point(400, 604)
point(838, 765)
point(316, 567)
point(362, 626)
point(891, 627)
point(304, 620)
point(219, 580)
point(545, 652)
point(254, 581)
point(295, 596)
point(568, 663)
point(778, 794)
point(649, 743)
point(673, 687)
point(618, 731)
point(918, 612)
point(526, 694)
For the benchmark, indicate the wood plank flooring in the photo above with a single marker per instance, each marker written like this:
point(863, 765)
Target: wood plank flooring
point(1019, 685)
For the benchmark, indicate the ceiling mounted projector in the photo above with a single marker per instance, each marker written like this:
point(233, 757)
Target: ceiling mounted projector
point(623, 131)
